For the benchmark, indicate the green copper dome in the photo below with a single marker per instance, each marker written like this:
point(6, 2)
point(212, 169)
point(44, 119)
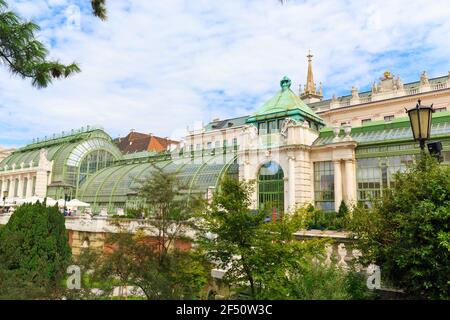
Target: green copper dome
point(285, 102)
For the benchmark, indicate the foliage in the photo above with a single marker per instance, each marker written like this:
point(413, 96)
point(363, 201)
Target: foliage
point(343, 210)
point(24, 55)
point(313, 218)
point(134, 262)
point(406, 231)
point(88, 260)
point(261, 258)
point(328, 221)
point(131, 213)
point(313, 281)
point(99, 8)
point(169, 207)
point(134, 213)
point(155, 263)
point(34, 252)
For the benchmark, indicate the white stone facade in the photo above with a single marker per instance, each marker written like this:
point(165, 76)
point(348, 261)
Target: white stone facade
point(20, 181)
point(387, 99)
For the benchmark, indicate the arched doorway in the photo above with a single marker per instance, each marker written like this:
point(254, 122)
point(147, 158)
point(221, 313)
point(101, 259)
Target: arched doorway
point(271, 188)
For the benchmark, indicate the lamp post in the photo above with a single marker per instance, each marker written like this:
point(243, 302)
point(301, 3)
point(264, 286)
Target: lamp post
point(58, 185)
point(66, 189)
point(420, 118)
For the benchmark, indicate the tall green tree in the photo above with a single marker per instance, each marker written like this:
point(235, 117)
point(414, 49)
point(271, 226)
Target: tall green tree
point(170, 206)
point(153, 260)
point(260, 257)
point(135, 262)
point(34, 252)
point(24, 55)
point(406, 231)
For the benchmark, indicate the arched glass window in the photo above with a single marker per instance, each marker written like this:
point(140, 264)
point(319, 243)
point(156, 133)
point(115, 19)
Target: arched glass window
point(271, 187)
point(16, 187)
point(8, 185)
point(93, 162)
point(24, 189)
point(33, 186)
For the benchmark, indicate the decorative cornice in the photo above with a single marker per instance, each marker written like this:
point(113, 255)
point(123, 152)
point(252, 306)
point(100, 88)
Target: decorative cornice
point(412, 97)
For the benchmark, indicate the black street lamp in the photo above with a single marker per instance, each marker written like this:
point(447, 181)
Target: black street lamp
point(66, 189)
point(60, 185)
point(420, 118)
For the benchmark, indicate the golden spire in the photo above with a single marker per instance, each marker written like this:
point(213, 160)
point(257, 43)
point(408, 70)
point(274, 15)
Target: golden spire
point(310, 87)
point(310, 94)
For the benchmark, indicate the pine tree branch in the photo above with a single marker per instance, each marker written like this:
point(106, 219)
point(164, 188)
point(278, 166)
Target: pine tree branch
point(99, 9)
point(24, 55)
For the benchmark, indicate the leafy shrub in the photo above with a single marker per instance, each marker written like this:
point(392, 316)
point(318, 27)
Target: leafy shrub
point(313, 218)
point(34, 252)
point(406, 231)
point(313, 280)
point(134, 213)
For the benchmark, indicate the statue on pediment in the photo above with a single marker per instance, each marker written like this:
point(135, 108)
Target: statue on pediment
point(250, 133)
point(399, 83)
point(284, 126)
point(424, 79)
point(375, 88)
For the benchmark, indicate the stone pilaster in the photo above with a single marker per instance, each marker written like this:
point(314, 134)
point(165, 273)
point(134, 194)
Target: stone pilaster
point(350, 181)
point(337, 184)
point(41, 183)
point(29, 186)
point(2, 187)
point(291, 182)
point(12, 187)
point(20, 187)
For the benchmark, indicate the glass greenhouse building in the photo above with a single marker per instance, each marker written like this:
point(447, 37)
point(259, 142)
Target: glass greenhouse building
point(293, 155)
point(116, 186)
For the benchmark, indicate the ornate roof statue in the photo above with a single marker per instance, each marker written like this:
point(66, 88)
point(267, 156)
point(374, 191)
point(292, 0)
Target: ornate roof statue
point(424, 78)
point(387, 75)
point(285, 83)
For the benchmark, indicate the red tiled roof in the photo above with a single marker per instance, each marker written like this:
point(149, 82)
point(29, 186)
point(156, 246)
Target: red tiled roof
point(136, 142)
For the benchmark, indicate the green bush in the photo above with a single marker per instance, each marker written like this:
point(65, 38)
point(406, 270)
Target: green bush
point(313, 218)
point(311, 280)
point(134, 213)
point(406, 231)
point(34, 252)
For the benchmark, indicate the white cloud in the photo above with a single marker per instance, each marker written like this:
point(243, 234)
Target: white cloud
point(158, 66)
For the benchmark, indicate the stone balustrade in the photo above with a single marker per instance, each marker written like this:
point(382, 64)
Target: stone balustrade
point(334, 104)
point(104, 224)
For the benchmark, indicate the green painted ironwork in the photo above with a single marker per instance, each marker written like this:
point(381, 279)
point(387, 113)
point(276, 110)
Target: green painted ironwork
point(324, 185)
point(67, 152)
point(116, 186)
point(271, 187)
point(285, 103)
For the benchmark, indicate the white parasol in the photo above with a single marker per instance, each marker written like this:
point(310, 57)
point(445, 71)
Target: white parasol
point(75, 203)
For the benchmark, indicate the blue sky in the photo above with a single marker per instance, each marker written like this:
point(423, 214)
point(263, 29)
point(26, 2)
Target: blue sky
point(161, 66)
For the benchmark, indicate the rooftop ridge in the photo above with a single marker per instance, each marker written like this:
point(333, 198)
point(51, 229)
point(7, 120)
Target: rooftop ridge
point(368, 92)
point(381, 124)
point(59, 138)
